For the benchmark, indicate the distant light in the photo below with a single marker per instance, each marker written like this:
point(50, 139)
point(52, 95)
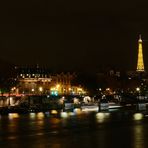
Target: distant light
point(138, 116)
point(54, 93)
point(40, 115)
point(11, 101)
point(54, 112)
point(13, 88)
point(64, 115)
point(107, 89)
point(79, 89)
point(107, 114)
point(77, 111)
point(40, 89)
point(32, 115)
point(61, 100)
point(101, 117)
point(71, 113)
point(137, 89)
point(13, 115)
point(76, 101)
point(57, 86)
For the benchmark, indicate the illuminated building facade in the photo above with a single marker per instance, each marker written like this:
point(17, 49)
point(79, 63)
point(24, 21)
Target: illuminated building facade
point(61, 83)
point(33, 80)
point(140, 62)
point(40, 81)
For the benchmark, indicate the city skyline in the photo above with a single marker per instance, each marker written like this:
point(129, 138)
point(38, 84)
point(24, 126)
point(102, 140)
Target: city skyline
point(10, 64)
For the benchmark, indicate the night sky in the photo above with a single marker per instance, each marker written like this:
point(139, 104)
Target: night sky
point(73, 35)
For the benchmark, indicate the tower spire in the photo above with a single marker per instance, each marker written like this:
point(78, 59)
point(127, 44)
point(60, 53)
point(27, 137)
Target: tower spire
point(140, 62)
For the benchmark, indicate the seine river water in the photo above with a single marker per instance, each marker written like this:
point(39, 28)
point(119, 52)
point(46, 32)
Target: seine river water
point(72, 130)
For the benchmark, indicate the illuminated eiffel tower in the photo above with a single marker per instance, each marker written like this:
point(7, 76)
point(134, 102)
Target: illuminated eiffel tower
point(140, 62)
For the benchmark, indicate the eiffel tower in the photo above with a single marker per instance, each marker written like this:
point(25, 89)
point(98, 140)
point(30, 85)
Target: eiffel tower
point(140, 62)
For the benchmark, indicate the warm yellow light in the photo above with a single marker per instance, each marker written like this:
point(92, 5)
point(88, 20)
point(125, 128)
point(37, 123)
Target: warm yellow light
point(13, 115)
point(76, 101)
point(138, 116)
point(53, 88)
point(79, 89)
point(61, 101)
point(40, 115)
point(107, 89)
point(70, 89)
point(40, 89)
point(54, 112)
point(13, 88)
point(57, 86)
point(137, 89)
point(101, 117)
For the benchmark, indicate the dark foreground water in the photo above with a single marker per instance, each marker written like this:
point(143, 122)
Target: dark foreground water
point(71, 130)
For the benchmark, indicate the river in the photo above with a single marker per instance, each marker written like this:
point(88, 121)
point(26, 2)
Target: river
point(74, 130)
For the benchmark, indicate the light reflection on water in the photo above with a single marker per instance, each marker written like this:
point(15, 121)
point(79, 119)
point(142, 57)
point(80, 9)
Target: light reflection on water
point(40, 115)
point(12, 116)
point(76, 129)
point(64, 114)
point(102, 117)
point(54, 121)
point(138, 136)
point(54, 112)
point(138, 116)
point(77, 111)
point(32, 115)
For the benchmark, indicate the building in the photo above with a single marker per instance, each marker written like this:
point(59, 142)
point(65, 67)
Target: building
point(33, 80)
point(61, 83)
point(37, 81)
